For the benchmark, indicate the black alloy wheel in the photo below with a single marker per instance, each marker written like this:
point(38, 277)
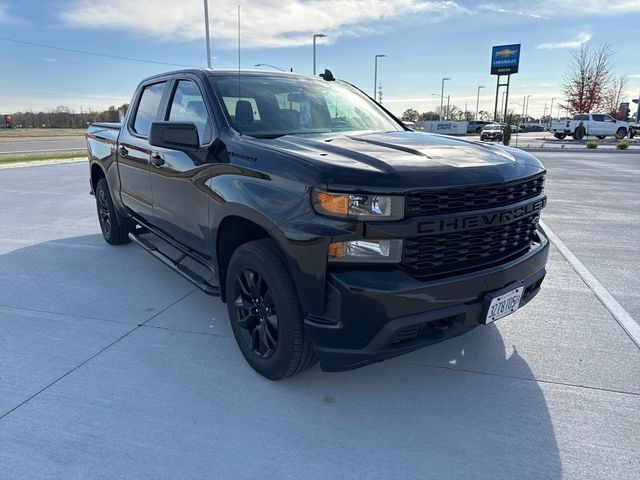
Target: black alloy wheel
point(103, 213)
point(256, 313)
point(115, 227)
point(264, 311)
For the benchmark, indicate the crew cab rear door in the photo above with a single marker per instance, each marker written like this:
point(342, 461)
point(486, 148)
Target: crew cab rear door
point(598, 125)
point(180, 196)
point(134, 149)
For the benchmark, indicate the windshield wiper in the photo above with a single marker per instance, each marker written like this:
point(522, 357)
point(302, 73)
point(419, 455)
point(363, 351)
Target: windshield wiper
point(282, 134)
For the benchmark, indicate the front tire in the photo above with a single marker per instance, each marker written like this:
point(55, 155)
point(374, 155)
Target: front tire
point(265, 313)
point(115, 227)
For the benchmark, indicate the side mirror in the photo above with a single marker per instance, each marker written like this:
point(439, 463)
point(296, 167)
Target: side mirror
point(175, 135)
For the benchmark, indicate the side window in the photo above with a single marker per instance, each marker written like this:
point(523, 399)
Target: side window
point(608, 118)
point(598, 118)
point(148, 107)
point(188, 106)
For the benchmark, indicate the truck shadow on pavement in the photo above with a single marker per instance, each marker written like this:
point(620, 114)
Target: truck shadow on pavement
point(465, 408)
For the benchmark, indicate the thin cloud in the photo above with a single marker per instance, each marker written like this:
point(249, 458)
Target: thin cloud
point(266, 23)
point(7, 18)
point(581, 38)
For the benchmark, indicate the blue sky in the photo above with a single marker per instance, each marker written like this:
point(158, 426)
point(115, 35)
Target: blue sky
point(423, 41)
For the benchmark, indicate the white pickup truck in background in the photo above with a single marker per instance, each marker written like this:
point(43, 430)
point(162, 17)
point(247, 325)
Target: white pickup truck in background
point(598, 125)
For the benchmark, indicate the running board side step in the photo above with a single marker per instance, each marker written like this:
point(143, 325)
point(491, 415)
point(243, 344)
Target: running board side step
point(175, 265)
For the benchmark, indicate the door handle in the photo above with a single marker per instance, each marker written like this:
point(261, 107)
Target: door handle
point(123, 151)
point(157, 159)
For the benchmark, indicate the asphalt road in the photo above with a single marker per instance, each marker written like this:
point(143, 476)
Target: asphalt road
point(112, 366)
point(41, 144)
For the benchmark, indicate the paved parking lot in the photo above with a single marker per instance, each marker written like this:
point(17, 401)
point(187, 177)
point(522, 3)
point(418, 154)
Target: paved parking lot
point(112, 366)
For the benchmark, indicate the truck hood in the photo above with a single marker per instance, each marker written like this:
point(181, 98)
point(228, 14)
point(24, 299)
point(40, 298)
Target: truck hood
point(400, 161)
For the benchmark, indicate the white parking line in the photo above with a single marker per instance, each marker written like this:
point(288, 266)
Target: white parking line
point(618, 312)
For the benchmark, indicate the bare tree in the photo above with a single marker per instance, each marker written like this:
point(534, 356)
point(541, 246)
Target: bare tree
point(587, 78)
point(485, 116)
point(613, 95)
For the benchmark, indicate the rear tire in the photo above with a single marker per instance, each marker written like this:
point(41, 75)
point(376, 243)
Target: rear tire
point(559, 136)
point(265, 313)
point(115, 227)
point(621, 133)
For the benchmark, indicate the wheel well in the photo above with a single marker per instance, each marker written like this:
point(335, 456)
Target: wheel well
point(233, 232)
point(96, 174)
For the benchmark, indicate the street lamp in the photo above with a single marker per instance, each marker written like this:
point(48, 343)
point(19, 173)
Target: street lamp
point(442, 96)
point(526, 110)
point(272, 66)
point(375, 75)
point(478, 100)
point(315, 37)
point(206, 32)
point(551, 111)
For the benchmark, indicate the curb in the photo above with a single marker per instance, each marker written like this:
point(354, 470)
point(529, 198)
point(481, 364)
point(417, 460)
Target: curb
point(581, 150)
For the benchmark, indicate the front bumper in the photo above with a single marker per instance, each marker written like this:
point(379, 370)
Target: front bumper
point(375, 315)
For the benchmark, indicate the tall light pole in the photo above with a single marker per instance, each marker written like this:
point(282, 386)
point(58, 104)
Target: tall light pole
point(446, 117)
point(315, 37)
point(206, 32)
point(551, 111)
point(442, 96)
point(526, 110)
point(478, 101)
point(375, 75)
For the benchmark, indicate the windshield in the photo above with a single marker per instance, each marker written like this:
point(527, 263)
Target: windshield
point(269, 106)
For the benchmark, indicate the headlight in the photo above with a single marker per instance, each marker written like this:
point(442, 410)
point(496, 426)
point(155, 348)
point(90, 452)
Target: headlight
point(366, 251)
point(363, 207)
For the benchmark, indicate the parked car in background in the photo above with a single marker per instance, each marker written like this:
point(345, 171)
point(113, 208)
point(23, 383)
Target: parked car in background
point(493, 131)
point(476, 126)
point(532, 127)
point(634, 129)
point(598, 125)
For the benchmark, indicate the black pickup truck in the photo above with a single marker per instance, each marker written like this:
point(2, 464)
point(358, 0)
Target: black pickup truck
point(331, 231)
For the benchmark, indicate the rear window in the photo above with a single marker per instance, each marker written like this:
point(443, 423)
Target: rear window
point(582, 118)
point(148, 107)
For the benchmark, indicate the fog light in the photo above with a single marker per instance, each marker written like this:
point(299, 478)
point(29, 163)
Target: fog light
point(366, 251)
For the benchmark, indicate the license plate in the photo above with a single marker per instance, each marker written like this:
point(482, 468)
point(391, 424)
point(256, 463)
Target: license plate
point(504, 305)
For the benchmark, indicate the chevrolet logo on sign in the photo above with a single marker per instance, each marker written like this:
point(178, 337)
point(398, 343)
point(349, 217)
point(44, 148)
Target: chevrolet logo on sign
point(506, 53)
point(505, 59)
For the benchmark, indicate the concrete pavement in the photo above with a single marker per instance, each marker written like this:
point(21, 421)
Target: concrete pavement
point(115, 367)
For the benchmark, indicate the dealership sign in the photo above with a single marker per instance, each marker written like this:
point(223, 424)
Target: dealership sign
point(505, 59)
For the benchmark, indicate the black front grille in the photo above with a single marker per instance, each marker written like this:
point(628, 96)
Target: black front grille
point(450, 252)
point(434, 202)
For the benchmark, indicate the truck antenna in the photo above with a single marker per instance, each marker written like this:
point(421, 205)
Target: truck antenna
point(239, 52)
